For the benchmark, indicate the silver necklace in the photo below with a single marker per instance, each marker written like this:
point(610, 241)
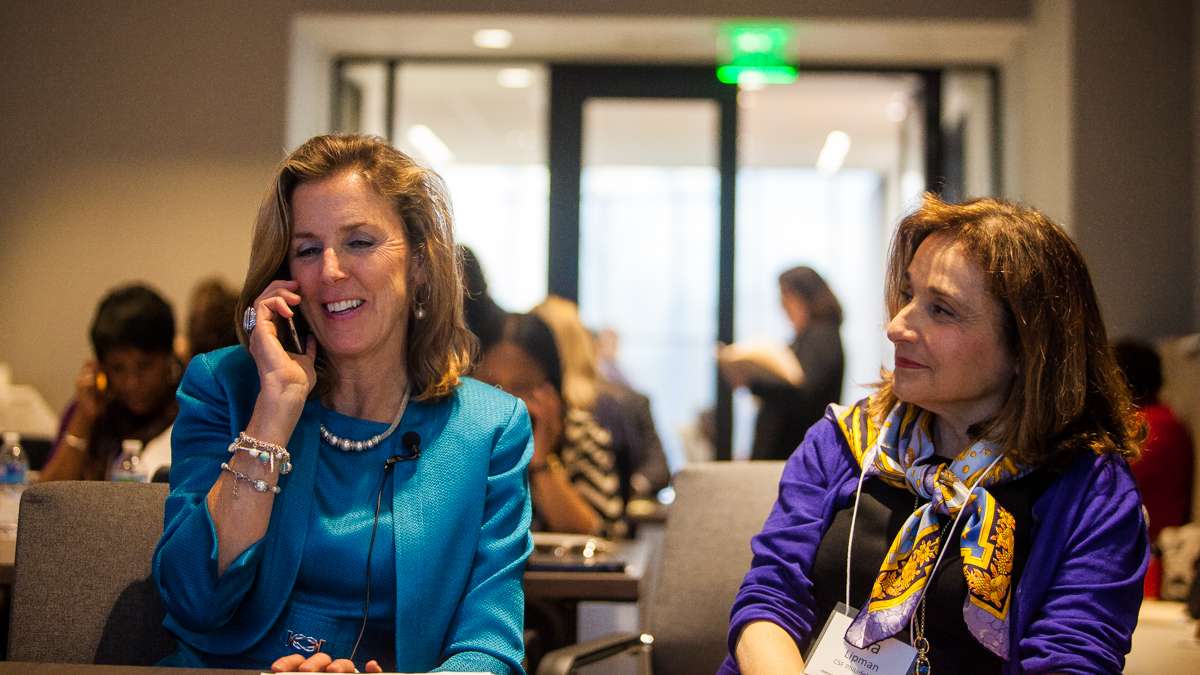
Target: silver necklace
point(347, 445)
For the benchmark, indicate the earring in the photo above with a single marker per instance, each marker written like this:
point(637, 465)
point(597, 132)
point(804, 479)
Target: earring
point(419, 311)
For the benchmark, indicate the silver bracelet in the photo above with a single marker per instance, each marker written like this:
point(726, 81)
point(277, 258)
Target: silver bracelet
point(267, 453)
point(257, 484)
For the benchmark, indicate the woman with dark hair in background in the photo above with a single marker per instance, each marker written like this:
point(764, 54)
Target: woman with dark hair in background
point(347, 498)
point(126, 392)
point(786, 411)
point(573, 473)
point(979, 504)
point(483, 316)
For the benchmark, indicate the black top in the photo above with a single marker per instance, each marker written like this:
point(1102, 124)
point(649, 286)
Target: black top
point(641, 462)
point(786, 412)
point(883, 510)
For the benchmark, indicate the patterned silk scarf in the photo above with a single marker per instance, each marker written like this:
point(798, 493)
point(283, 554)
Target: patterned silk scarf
point(900, 452)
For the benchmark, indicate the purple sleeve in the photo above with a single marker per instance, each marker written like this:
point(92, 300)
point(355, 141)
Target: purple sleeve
point(1085, 618)
point(777, 587)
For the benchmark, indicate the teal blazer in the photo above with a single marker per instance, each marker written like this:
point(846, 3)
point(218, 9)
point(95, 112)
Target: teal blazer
point(460, 546)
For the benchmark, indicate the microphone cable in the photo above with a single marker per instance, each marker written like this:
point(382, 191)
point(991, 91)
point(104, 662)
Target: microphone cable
point(412, 441)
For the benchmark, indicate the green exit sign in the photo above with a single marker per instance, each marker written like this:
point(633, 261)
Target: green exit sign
point(757, 53)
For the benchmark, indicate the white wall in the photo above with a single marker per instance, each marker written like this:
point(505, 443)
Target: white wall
point(136, 140)
point(1037, 95)
point(1132, 172)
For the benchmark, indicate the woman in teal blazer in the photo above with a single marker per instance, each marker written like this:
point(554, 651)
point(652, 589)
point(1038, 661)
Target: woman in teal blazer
point(359, 504)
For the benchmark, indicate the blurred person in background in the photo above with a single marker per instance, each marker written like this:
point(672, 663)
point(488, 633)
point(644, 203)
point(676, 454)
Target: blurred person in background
point(785, 410)
point(350, 501)
point(126, 391)
point(608, 347)
point(211, 323)
point(210, 326)
point(483, 316)
point(1164, 472)
point(624, 412)
point(573, 473)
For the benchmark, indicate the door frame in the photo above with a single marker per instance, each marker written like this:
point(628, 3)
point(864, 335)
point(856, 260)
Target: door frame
point(570, 86)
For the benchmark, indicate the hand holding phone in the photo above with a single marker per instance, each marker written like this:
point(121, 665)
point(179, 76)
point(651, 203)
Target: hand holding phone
point(91, 390)
point(280, 346)
point(292, 331)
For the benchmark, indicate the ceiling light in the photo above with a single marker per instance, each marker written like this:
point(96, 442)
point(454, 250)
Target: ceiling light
point(514, 78)
point(428, 145)
point(493, 38)
point(833, 153)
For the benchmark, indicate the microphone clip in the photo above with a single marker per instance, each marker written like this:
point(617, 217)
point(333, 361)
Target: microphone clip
point(412, 442)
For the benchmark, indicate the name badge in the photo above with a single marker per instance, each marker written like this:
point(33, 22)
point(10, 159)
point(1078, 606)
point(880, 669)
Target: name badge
point(832, 655)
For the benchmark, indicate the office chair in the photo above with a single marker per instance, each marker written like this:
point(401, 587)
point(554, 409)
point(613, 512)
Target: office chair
point(83, 591)
point(718, 507)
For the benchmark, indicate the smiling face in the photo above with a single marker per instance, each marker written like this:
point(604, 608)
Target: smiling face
point(351, 258)
point(951, 358)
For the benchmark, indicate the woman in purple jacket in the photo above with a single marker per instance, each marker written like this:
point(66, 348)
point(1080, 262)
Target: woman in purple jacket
point(978, 505)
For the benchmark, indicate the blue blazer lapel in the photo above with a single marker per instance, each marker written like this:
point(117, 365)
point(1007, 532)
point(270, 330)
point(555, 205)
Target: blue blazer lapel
point(415, 491)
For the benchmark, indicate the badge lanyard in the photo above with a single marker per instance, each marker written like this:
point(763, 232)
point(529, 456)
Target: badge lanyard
point(854, 517)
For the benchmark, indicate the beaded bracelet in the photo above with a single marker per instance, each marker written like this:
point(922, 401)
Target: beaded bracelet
point(257, 484)
point(264, 452)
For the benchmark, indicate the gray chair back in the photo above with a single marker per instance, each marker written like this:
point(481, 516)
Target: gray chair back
point(83, 591)
point(718, 507)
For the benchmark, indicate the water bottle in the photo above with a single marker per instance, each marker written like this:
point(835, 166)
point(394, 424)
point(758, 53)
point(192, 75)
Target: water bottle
point(14, 474)
point(128, 466)
point(14, 463)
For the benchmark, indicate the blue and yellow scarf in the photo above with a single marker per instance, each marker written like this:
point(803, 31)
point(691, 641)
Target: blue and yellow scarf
point(900, 452)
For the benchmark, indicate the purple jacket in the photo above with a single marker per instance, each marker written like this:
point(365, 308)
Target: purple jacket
point(1077, 600)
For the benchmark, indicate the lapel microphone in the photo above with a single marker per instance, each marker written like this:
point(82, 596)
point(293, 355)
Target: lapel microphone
point(411, 441)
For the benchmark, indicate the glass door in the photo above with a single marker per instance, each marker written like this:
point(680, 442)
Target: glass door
point(642, 198)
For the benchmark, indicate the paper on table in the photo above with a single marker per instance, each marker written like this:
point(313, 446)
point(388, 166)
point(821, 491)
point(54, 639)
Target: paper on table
point(760, 362)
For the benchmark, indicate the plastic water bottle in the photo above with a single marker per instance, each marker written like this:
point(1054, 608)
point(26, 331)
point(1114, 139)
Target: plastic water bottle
point(14, 463)
point(14, 474)
point(128, 466)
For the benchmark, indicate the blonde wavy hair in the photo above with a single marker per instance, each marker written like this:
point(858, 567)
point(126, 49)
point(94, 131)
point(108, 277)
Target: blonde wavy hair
point(440, 348)
point(577, 350)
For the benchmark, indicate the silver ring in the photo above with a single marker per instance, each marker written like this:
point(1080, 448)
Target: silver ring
point(249, 319)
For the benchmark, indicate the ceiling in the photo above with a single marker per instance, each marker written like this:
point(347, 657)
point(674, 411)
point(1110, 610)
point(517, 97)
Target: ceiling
point(649, 39)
